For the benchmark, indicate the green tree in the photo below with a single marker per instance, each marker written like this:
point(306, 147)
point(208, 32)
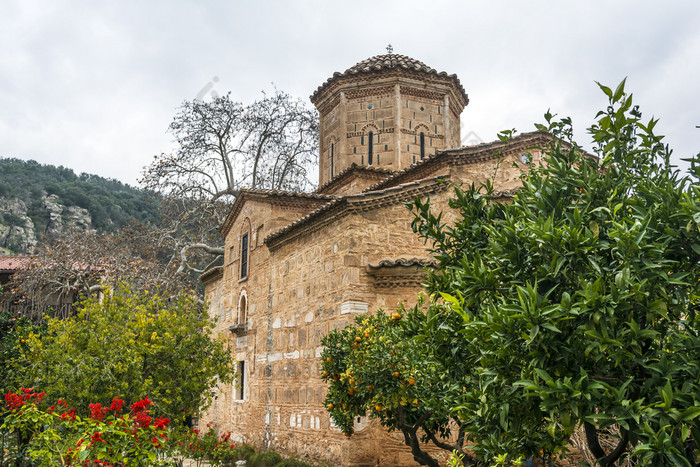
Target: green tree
point(131, 345)
point(574, 305)
point(400, 368)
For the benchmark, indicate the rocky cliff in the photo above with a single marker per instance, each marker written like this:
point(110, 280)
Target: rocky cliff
point(18, 231)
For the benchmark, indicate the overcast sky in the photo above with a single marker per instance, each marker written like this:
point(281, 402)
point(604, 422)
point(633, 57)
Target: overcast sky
point(92, 85)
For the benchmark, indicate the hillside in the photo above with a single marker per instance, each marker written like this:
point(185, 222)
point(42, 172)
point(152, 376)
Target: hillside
point(39, 201)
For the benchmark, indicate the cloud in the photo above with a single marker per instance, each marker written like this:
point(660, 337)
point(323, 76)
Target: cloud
point(94, 85)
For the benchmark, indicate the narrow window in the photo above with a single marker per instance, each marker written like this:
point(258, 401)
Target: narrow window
point(332, 154)
point(239, 388)
point(244, 256)
point(422, 145)
point(378, 159)
point(371, 147)
point(242, 310)
point(354, 150)
point(386, 147)
point(362, 140)
point(438, 110)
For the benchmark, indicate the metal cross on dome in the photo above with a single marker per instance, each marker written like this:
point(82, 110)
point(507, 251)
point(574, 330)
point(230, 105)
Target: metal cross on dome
point(389, 49)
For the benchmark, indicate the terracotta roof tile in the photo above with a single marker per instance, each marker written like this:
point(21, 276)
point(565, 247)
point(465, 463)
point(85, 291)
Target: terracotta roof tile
point(265, 193)
point(468, 154)
point(354, 168)
point(391, 62)
point(13, 263)
point(360, 201)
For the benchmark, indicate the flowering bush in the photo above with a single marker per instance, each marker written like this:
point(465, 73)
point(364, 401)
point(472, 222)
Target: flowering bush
point(216, 449)
point(109, 438)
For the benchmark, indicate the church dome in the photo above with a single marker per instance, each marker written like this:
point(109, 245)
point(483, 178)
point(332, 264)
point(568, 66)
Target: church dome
point(389, 63)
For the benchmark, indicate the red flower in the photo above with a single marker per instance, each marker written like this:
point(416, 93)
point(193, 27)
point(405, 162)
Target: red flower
point(13, 401)
point(68, 415)
point(141, 405)
point(117, 405)
point(97, 412)
point(161, 423)
point(97, 436)
point(142, 419)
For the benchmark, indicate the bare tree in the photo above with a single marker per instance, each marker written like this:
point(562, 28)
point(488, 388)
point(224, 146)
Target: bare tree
point(82, 263)
point(222, 147)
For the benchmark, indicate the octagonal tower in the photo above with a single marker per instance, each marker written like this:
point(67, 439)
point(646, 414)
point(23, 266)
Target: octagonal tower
point(388, 111)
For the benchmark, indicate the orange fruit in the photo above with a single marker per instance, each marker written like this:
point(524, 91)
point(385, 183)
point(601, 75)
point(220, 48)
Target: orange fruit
point(396, 374)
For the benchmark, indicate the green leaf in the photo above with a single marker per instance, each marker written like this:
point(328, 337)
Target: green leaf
point(619, 91)
point(690, 414)
point(608, 92)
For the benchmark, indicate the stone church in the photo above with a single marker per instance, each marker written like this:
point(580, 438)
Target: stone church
point(298, 265)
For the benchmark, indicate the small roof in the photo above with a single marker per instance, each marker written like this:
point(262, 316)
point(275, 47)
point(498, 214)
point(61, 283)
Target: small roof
point(10, 264)
point(290, 197)
point(385, 62)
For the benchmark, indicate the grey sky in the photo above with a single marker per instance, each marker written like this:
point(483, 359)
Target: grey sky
point(93, 85)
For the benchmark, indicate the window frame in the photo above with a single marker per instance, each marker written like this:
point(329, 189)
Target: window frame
point(245, 256)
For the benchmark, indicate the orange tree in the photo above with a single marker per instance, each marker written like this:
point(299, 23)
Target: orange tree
point(574, 305)
point(375, 366)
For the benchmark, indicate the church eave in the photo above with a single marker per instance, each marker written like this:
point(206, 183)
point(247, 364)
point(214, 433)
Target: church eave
point(270, 196)
point(464, 155)
point(354, 171)
point(345, 205)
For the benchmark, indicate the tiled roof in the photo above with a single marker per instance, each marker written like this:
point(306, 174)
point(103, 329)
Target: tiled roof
point(390, 62)
point(212, 274)
point(358, 202)
point(289, 196)
point(13, 263)
point(466, 154)
point(382, 62)
point(354, 168)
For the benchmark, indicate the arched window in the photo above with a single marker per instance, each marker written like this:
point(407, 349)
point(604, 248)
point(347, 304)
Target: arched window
point(242, 309)
point(370, 149)
point(422, 145)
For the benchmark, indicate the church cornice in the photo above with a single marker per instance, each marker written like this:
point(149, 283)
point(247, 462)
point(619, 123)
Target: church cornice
point(350, 204)
point(351, 173)
point(278, 197)
point(463, 156)
point(212, 275)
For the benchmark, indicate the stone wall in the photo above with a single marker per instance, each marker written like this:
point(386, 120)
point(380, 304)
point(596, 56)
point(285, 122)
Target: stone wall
point(396, 110)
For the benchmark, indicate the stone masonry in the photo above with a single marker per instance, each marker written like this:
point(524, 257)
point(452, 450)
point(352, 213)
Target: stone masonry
point(298, 265)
